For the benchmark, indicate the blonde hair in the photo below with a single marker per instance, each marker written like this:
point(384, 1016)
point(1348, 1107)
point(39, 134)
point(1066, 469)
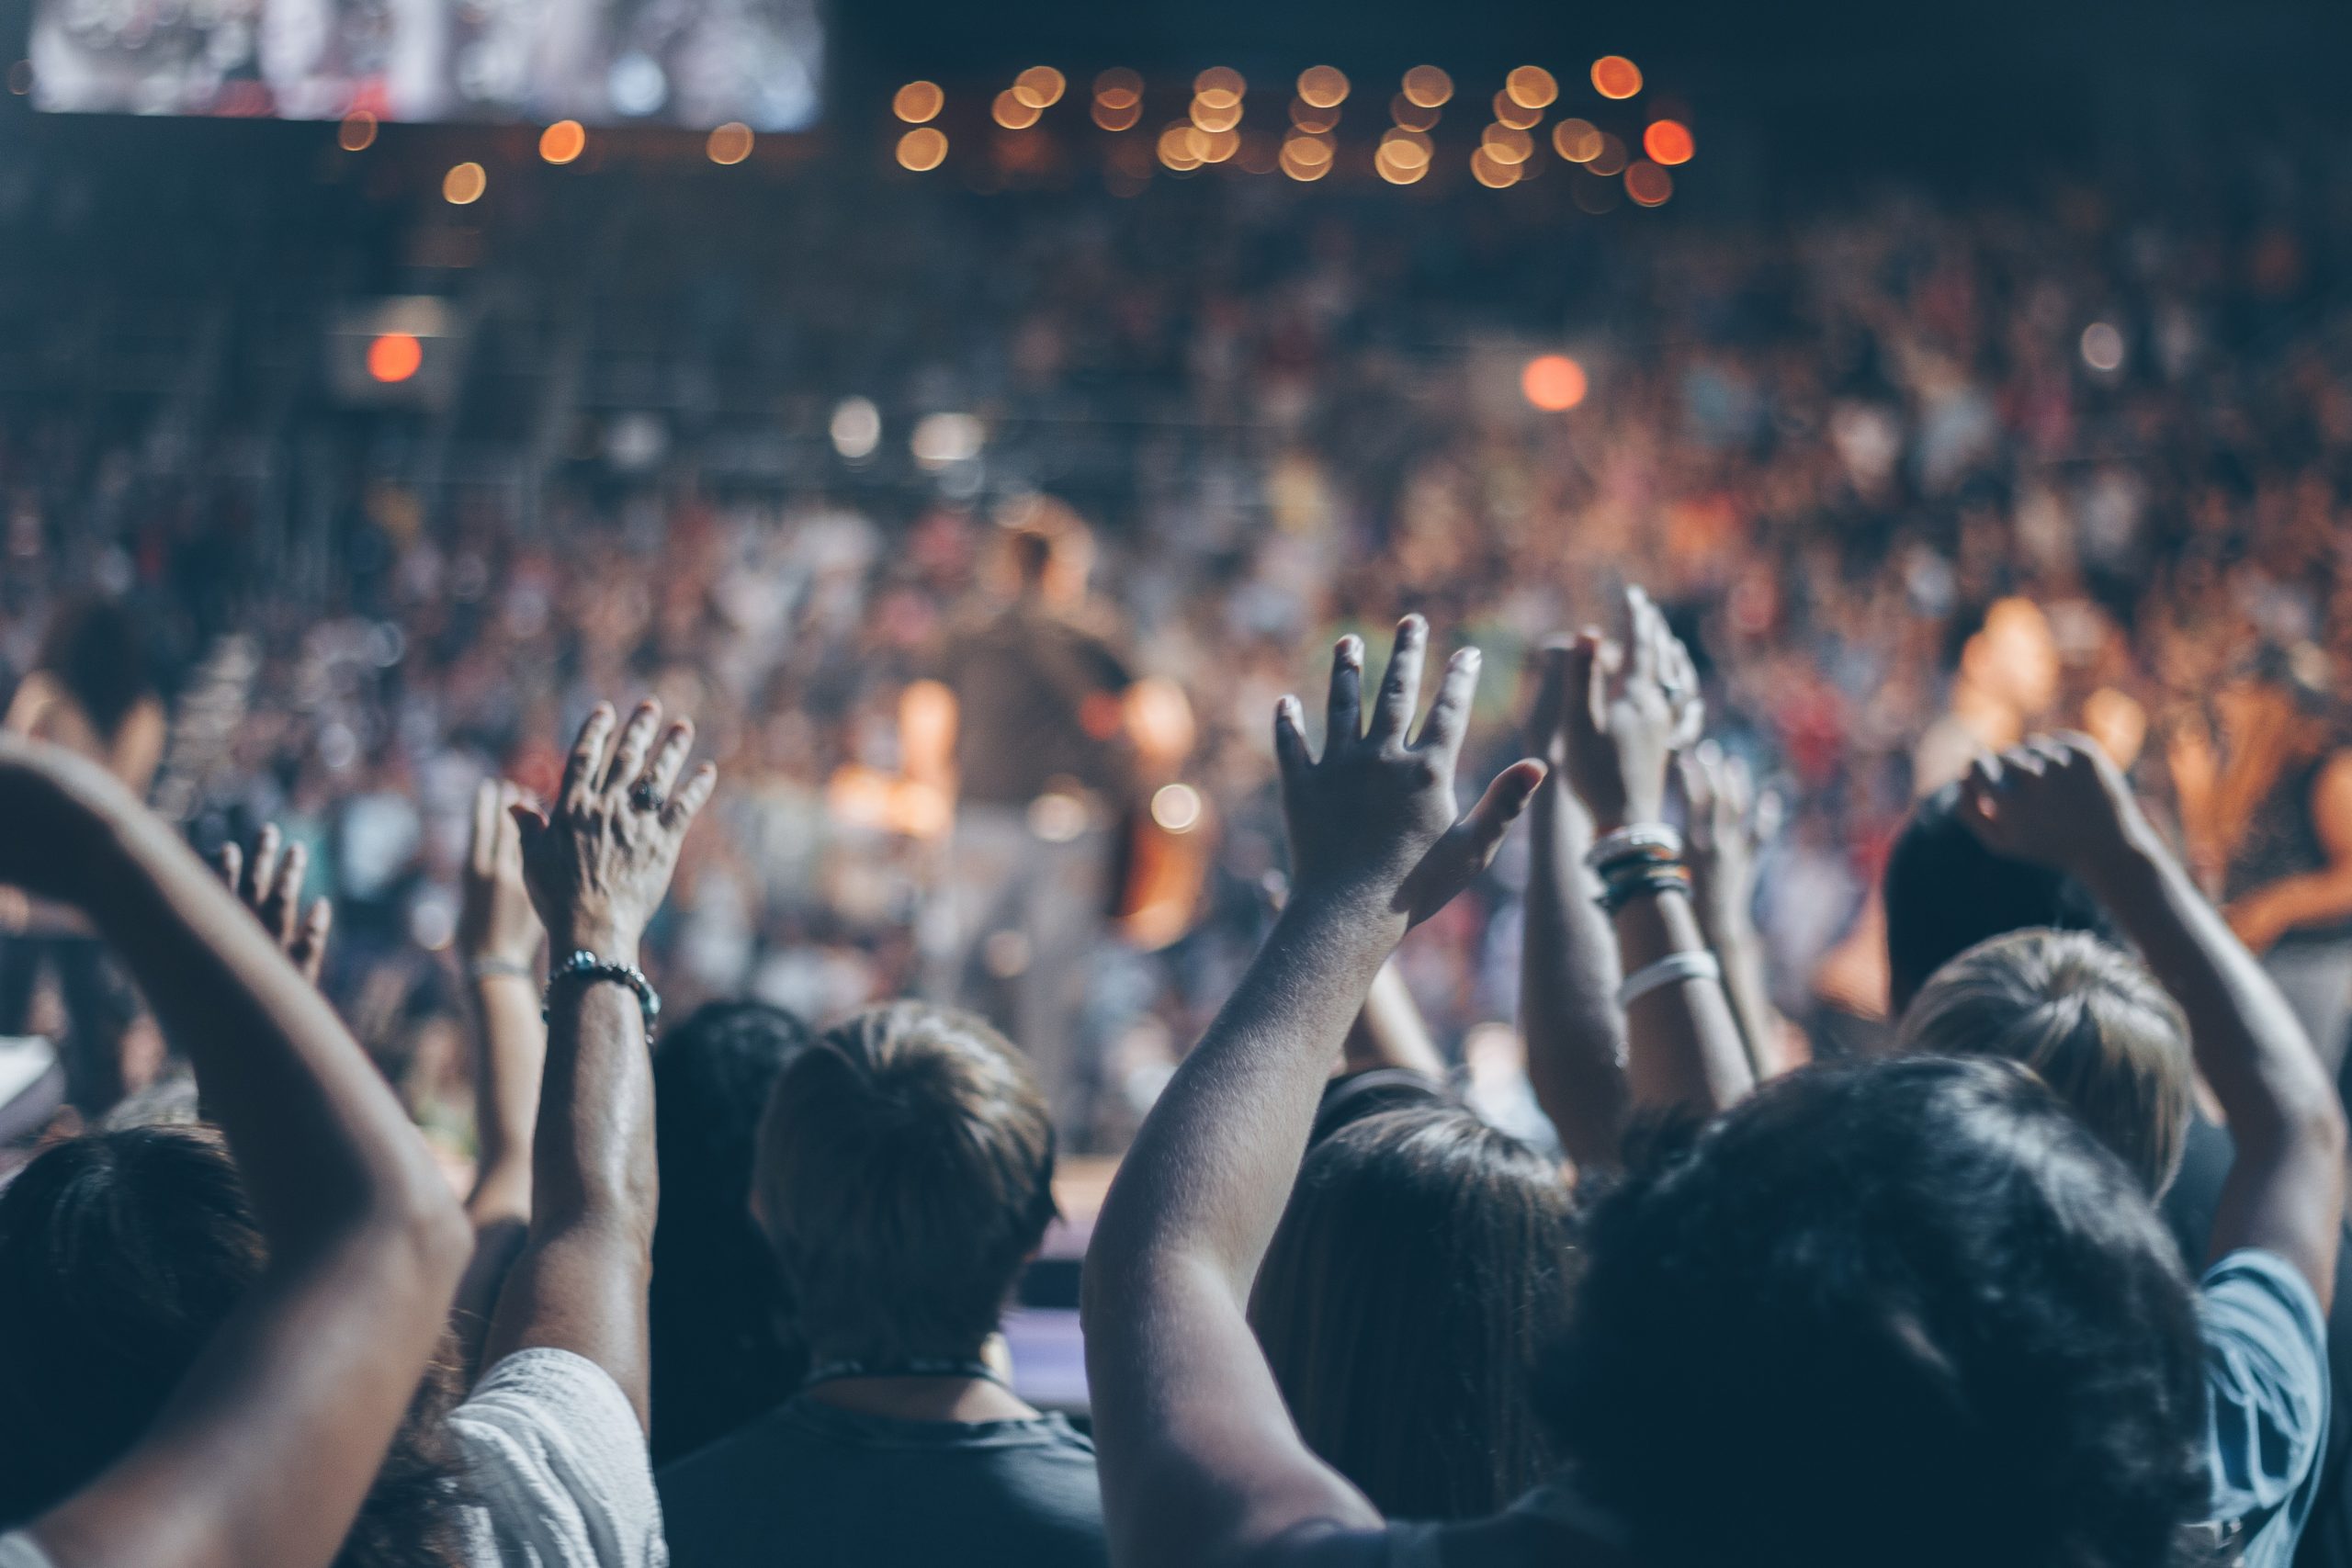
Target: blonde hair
point(2088, 1020)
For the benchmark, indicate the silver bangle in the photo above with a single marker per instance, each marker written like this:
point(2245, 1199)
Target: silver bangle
point(1694, 964)
point(585, 967)
point(1642, 840)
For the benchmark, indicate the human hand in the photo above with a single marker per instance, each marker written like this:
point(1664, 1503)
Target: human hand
point(1630, 707)
point(598, 865)
point(2056, 801)
point(1727, 829)
point(495, 920)
point(269, 882)
point(1375, 816)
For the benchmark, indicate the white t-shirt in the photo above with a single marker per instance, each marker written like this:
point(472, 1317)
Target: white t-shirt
point(556, 1472)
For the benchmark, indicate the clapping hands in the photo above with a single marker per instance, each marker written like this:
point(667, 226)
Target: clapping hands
point(1375, 816)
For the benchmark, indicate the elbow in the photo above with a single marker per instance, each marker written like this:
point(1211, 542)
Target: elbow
point(416, 1216)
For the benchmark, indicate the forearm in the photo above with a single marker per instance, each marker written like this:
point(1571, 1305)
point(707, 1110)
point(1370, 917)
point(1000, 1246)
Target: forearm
point(1569, 977)
point(2321, 898)
point(1741, 954)
point(510, 1054)
point(1391, 1032)
point(1685, 1053)
point(1210, 1171)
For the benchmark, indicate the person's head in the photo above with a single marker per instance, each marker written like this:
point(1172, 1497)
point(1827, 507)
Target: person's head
point(1423, 1265)
point(2088, 1020)
point(1945, 892)
point(904, 1175)
point(1902, 1311)
point(97, 650)
point(722, 1352)
point(120, 1254)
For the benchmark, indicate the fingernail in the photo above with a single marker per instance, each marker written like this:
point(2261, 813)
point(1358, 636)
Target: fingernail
point(1352, 650)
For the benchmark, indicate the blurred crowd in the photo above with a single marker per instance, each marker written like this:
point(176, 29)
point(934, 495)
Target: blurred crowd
point(1911, 476)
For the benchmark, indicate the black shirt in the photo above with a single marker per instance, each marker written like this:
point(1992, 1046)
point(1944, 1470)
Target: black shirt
point(812, 1486)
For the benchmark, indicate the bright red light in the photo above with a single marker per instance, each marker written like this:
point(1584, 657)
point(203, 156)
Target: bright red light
point(394, 356)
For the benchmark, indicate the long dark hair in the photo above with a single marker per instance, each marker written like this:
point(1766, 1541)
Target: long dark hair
point(97, 651)
point(1423, 1265)
point(1910, 1311)
point(121, 1253)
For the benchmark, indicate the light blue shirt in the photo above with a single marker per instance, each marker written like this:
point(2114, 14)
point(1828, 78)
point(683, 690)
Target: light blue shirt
point(2266, 1383)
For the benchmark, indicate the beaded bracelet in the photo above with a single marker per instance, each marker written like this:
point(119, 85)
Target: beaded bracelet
point(1627, 882)
point(585, 967)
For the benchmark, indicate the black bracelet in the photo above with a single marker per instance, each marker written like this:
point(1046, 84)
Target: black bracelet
point(585, 967)
point(1648, 881)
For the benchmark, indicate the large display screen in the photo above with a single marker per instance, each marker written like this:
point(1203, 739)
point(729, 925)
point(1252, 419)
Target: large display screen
point(699, 64)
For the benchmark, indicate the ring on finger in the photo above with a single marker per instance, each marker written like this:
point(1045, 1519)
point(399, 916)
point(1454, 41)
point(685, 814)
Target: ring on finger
point(645, 797)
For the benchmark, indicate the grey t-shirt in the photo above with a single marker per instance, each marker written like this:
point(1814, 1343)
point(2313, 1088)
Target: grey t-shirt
point(812, 1486)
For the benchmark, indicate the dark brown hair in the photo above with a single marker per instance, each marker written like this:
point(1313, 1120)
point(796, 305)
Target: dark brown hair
point(1421, 1270)
point(904, 1175)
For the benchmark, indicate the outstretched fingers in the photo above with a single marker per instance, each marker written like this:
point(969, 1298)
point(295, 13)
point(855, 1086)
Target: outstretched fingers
point(680, 812)
point(628, 753)
point(1400, 688)
point(1448, 718)
point(583, 770)
point(1344, 716)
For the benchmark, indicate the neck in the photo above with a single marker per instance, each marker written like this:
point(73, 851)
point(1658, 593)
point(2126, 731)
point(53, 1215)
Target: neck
point(946, 1398)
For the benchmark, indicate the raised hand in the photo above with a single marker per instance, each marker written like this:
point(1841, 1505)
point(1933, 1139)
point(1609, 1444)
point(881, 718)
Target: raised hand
point(1630, 707)
point(496, 924)
point(598, 865)
point(1375, 815)
point(269, 882)
point(1726, 829)
point(2056, 801)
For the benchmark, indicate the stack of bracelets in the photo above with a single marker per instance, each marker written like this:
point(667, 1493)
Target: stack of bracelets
point(1638, 863)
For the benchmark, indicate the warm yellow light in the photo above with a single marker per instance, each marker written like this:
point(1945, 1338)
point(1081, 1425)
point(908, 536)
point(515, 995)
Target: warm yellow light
point(358, 132)
point(1553, 382)
point(1610, 159)
point(1400, 163)
point(1307, 117)
point(1517, 116)
point(1668, 142)
point(1507, 144)
point(1491, 172)
point(1216, 146)
point(918, 101)
point(1532, 87)
point(1215, 115)
point(563, 142)
point(394, 356)
point(1648, 185)
point(1221, 79)
point(1577, 141)
point(923, 149)
point(1413, 116)
point(1615, 76)
point(464, 184)
point(1180, 146)
point(1303, 167)
point(1425, 86)
point(1118, 87)
point(729, 144)
point(1112, 116)
point(1177, 807)
point(1040, 87)
point(1011, 113)
point(1323, 87)
point(1406, 149)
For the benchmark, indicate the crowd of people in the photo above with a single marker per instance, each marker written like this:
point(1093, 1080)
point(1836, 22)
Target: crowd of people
point(1858, 1082)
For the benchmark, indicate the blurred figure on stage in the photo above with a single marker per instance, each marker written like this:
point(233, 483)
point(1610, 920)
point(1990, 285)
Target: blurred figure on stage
point(2267, 809)
point(91, 692)
point(1053, 741)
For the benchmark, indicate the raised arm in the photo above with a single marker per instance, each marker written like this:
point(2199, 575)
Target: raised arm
point(267, 1449)
point(1200, 1462)
point(1568, 975)
point(498, 942)
point(2059, 801)
point(1684, 1049)
point(598, 866)
point(1723, 838)
point(269, 882)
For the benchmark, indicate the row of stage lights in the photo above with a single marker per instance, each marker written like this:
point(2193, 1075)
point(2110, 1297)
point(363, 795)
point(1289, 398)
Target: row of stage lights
point(1210, 132)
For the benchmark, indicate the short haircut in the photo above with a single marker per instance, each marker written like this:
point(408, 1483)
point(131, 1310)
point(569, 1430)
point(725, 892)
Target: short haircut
point(1907, 1310)
point(2088, 1020)
point(1945, 892)
point(721, 1351)
point(1423, 1265)
point(904, 1175)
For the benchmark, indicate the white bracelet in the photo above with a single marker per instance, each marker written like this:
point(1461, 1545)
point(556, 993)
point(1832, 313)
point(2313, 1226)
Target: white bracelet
point(1642, 840)
point(1673, 969)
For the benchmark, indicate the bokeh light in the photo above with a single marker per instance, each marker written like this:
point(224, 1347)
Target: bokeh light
point(855, 428)
point(729, 144)
point(563, 142)
point(1401, 162)
point(1507, 144)
point(1305, 157)
point(918, 101)
point(394, 357)
point(1011, 112)
point(1118, 86)
point(1577, 141)
point(1180, 146)
point(1615, 76)
point(1611, 160)
point(1532, 87)
point(1413, 116)
point(1177, 807)
point(1040, 87)
point(464, 184)
point(1648, 185)
point(1668, 142)
point(1215, 113)
point(1323, 87)
point(1553, 382)
point(1113, 115)
point(1492, 171)
point(1220, 80)
point(358, 132)
point(923, 149)
point(1427, 87)
point(2102, 347)
point(1307, 117)
point(1516, 115)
